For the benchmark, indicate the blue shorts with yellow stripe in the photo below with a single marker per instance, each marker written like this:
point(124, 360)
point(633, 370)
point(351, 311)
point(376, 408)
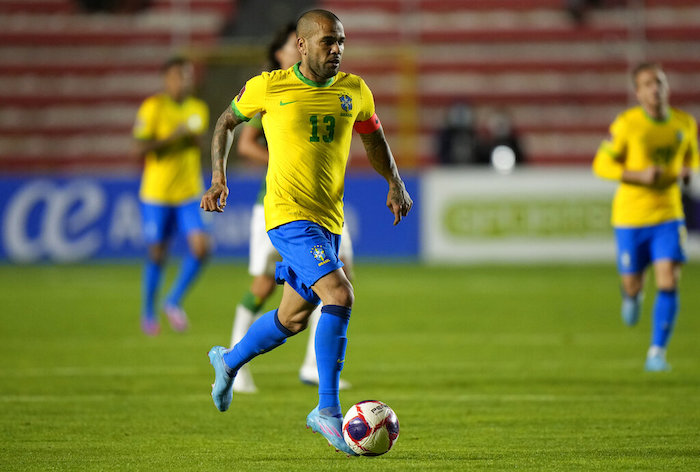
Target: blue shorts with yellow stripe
point(308, 252)
point(161, 222)
point(638, 247)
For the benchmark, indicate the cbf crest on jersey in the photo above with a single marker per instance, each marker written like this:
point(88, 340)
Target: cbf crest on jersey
point(319, 254)
point(345, 102)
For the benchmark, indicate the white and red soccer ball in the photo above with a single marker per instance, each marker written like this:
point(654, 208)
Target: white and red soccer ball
point(370, 428)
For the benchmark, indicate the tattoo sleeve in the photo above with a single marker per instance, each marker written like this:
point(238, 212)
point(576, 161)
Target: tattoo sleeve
point(221, 143)
point(379, 155)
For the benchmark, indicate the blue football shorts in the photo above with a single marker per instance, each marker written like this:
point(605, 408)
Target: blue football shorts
point(308, 252)
point(638, 247)
point(160, 222)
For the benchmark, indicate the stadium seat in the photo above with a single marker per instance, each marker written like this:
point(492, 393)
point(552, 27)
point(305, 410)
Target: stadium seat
point(562, 82)
point(70, 78)
point(71, 81)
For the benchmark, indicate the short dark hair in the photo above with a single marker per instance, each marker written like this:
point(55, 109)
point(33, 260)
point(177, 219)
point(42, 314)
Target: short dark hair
point(278, 43)
point(641, 67)
point(175, 61)
point(329, 15)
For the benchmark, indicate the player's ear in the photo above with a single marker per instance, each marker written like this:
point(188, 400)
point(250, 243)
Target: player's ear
point(301, 45)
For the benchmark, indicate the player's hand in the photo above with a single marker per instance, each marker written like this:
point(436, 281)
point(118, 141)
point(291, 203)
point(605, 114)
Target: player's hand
point(182, 131)
point(183, 137)
point(650, 176)
point(686, 175)
point(398, 201)
point(214, 199)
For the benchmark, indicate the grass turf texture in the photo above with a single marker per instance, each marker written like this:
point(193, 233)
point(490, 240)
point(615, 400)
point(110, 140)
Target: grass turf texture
point(487, 368)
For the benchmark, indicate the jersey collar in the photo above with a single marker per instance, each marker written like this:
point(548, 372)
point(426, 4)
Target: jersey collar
point(301, 77)
point(175, 102)
point(666, 119)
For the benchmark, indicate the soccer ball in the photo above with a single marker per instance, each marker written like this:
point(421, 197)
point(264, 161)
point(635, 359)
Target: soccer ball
point(370, 428)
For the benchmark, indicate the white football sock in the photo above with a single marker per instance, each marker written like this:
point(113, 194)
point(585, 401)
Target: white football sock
point(244, 318)
point(310, 359)
point(656, 351)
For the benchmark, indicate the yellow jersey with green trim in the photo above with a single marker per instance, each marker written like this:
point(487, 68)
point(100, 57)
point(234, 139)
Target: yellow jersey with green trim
point(637, 142)
point(174, 175)
point(308, 127)
point(256, 122)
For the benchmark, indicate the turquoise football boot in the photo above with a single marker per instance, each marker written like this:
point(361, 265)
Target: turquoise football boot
point(631, 307)
point(222, 388)
point(657, 363)
point(331, 428)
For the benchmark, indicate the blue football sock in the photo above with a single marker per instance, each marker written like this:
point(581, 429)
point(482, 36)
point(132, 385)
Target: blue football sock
point(665, 311)
point(265, 334)
point(152, 274)
point(188, 272)
point(331, 342)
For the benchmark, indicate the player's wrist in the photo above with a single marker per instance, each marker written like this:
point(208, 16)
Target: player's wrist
point(633, 177)
point(218, 177)
point(396, 181)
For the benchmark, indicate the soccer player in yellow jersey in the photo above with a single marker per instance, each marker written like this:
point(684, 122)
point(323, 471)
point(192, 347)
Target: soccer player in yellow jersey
point(282, 54)
point(308, 113)
point(167, 134)
point(652, 147)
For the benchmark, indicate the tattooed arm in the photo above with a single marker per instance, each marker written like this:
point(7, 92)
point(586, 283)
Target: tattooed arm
point(215, 198)
point(398, 200)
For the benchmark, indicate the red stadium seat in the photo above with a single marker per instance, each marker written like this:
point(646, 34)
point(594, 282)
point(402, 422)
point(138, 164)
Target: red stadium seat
point(562, 82)
point(70, 81)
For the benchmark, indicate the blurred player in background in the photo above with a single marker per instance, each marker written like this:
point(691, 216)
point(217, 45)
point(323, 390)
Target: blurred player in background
point(308, 113)
point(167, 133)
point(652, 147)
point(282, 54)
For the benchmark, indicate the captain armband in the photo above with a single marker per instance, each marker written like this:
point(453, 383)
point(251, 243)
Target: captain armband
point(368, 126)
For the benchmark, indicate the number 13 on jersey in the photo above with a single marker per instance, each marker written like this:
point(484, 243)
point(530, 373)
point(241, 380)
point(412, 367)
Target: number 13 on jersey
point(329, 122)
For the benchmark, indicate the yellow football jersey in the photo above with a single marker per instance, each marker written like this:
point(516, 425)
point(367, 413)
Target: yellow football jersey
point(308, 127)
point(638, 142)
point(171, 176)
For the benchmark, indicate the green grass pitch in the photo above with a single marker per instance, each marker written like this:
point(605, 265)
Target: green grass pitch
point(487, 368)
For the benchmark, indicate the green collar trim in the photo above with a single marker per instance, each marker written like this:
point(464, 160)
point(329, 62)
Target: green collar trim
point(661, 121)
point(310, 82)
point(172, 100)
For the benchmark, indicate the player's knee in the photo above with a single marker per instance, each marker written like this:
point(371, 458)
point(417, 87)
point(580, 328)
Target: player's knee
point(666, 284)
point(201, 253)
point(199, 248)
point(632, 285)
point(295, 322)
point(343, 295)
point(157, 254)
point(632, 291)
point(296, 326)
point(667, 277)
point(666, 288)
point(335, 289)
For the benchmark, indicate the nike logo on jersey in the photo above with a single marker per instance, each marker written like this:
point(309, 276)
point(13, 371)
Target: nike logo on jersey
point(287, 103)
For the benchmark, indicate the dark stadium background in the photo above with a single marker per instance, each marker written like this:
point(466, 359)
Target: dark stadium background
point(74, 72)
point(488, 319)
